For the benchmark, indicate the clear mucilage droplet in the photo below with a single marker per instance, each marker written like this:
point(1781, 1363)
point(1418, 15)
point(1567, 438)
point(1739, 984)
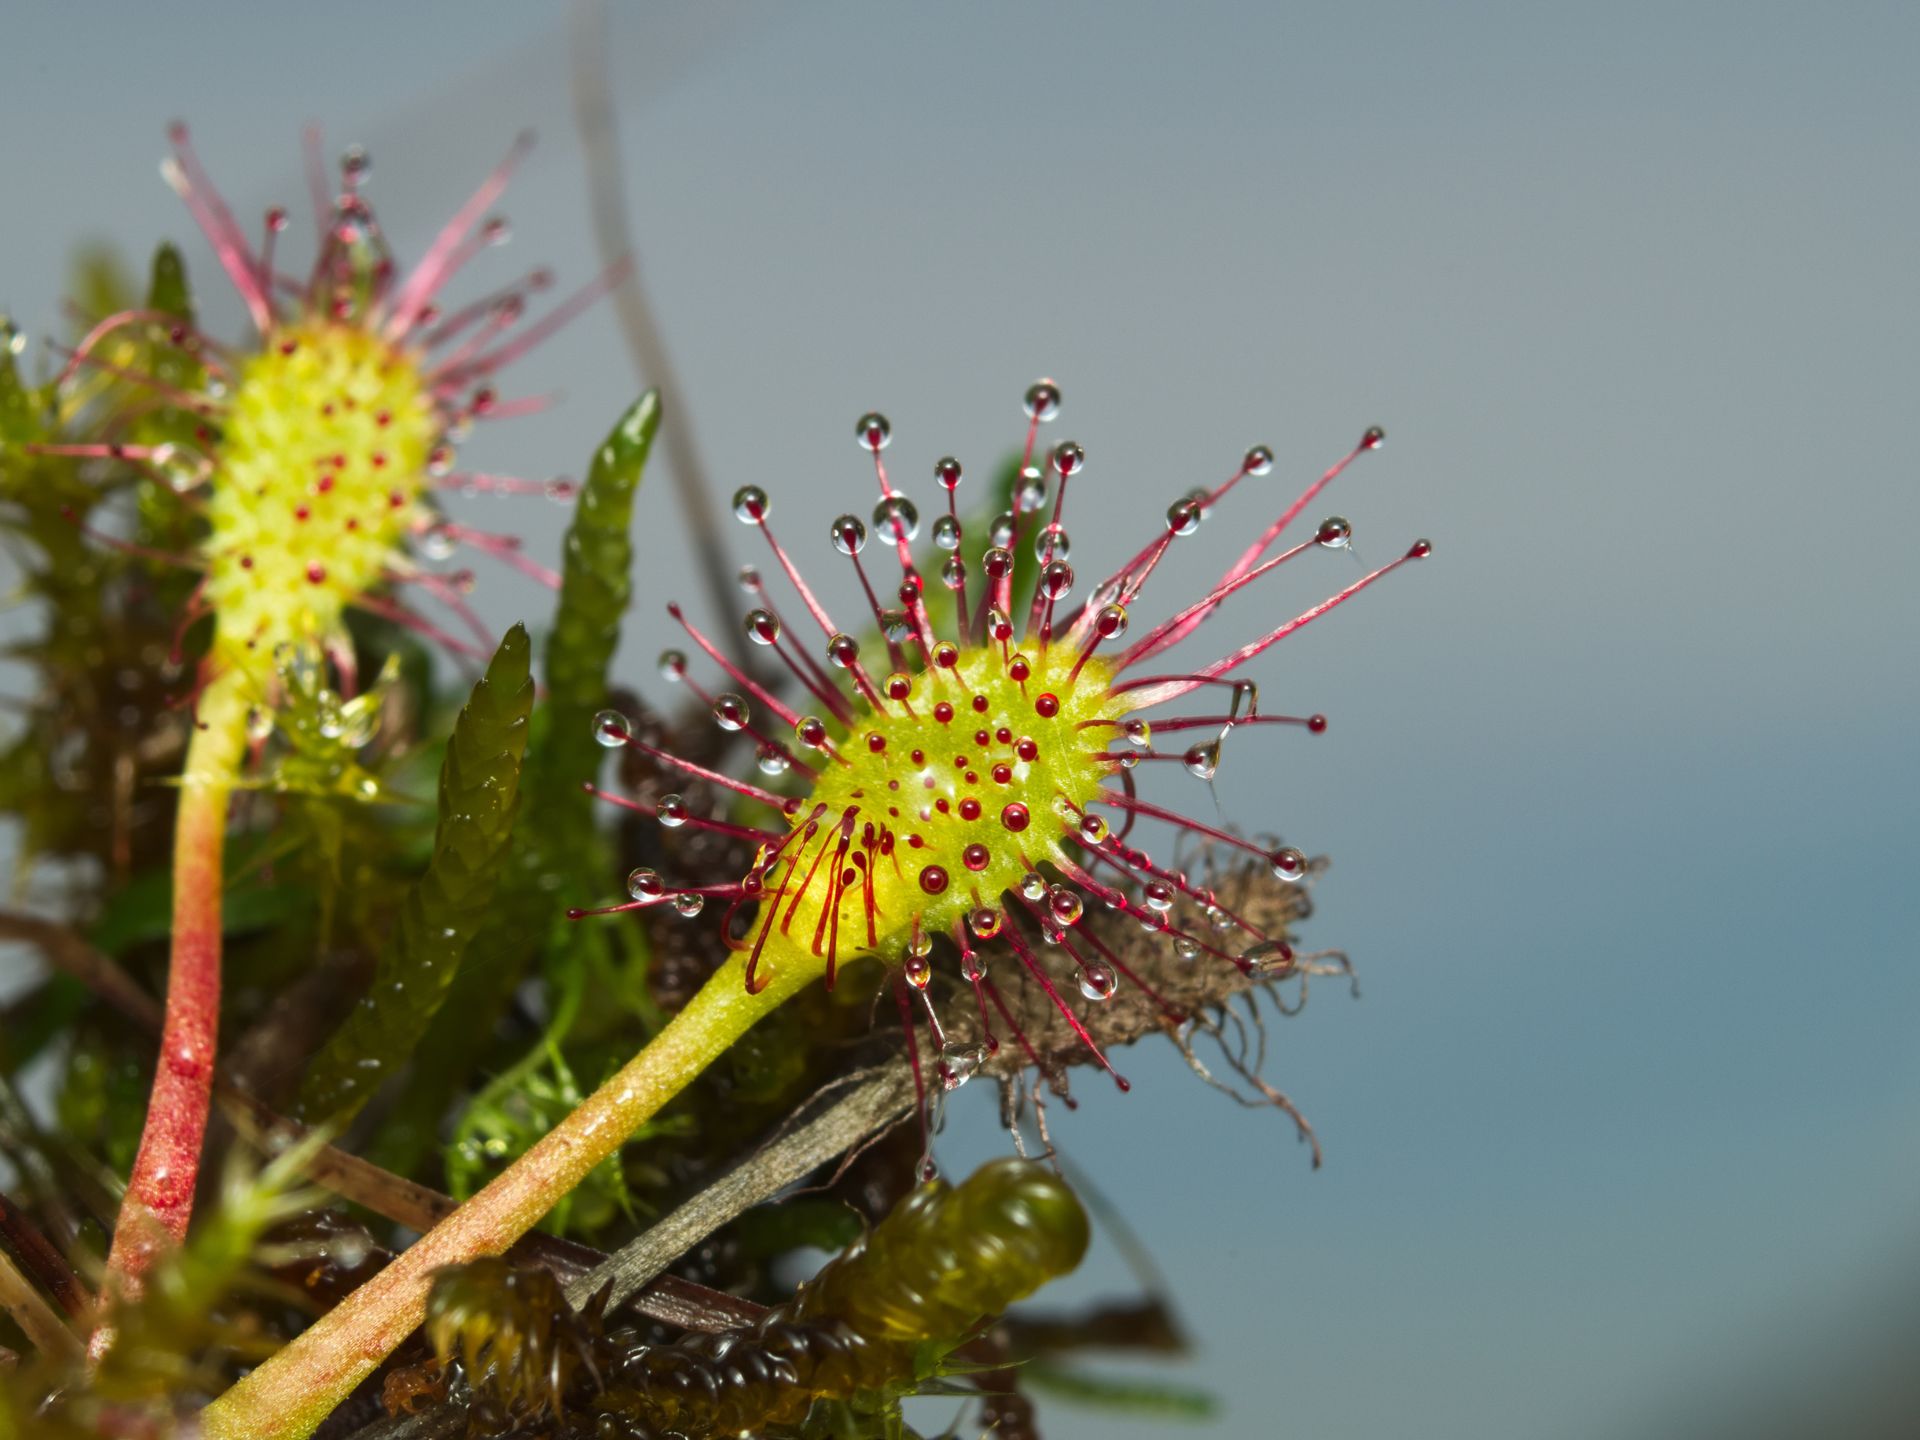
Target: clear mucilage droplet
point(848, 534)
point(946, 532)
point(1097, 981)
point(1335, 533)
point(750, 505)
point(1042, 401)
point(896, 519)
point(873, 431)
point(762, 627)
point(1289, 864)
point(959, 1063)
point(612, 729)
point(1203, 761)
point(1271, 957)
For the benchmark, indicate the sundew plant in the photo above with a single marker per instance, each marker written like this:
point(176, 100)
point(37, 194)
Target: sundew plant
point(444, 1041)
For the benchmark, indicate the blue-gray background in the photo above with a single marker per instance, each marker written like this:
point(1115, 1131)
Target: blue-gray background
point(1620, 787)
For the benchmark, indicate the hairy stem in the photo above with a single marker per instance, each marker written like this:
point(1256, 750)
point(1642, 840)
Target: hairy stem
point(288, 1396)
point(159, 1196)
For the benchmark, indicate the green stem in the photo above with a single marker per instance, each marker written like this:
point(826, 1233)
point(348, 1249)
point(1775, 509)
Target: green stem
point(288, 1396)
point(159, 1197)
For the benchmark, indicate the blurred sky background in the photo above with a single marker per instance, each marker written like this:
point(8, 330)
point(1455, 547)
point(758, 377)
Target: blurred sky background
point(1624, 1137)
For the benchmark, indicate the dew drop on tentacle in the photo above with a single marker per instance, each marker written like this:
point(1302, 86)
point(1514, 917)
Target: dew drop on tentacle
point(1097, 981)
point(671, 811)
point(1246, 704)
point(1273, 958)
point(896, 519)
point(946, 473)
point(848, 534)
point(946, 532)
point(762, 627)
point(958, 1064)
point(612, 729)
point(1203, 761)
point(1335, 533)
point(750, 505)
point(673, 665)
point(1258, 461)
point(645, 884)
point(1042, 401)
point(873, 432)
point(1288, 864)
point(1183, 517)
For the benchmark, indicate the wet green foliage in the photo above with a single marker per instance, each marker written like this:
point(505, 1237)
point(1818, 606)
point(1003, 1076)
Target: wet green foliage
point(479, 800)
point(398, 963)
point(877, 1324)
point(79, 773)
point(186, 1336)
point(557, 853)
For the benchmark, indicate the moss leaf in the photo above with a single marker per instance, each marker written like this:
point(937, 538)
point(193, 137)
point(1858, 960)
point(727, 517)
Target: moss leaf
point(479, 800)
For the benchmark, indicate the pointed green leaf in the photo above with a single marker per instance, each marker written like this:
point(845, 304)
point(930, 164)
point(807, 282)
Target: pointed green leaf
point(558, 855)
point(479, 800)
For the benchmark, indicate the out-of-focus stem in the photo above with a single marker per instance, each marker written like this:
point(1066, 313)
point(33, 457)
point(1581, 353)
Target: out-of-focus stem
point(288, 1396)
point(159, 1197)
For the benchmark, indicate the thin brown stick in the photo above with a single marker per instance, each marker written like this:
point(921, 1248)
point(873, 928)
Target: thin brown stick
point(607, 198)
point(36, 1318)
point(874, 1100)
point(40, 1258)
